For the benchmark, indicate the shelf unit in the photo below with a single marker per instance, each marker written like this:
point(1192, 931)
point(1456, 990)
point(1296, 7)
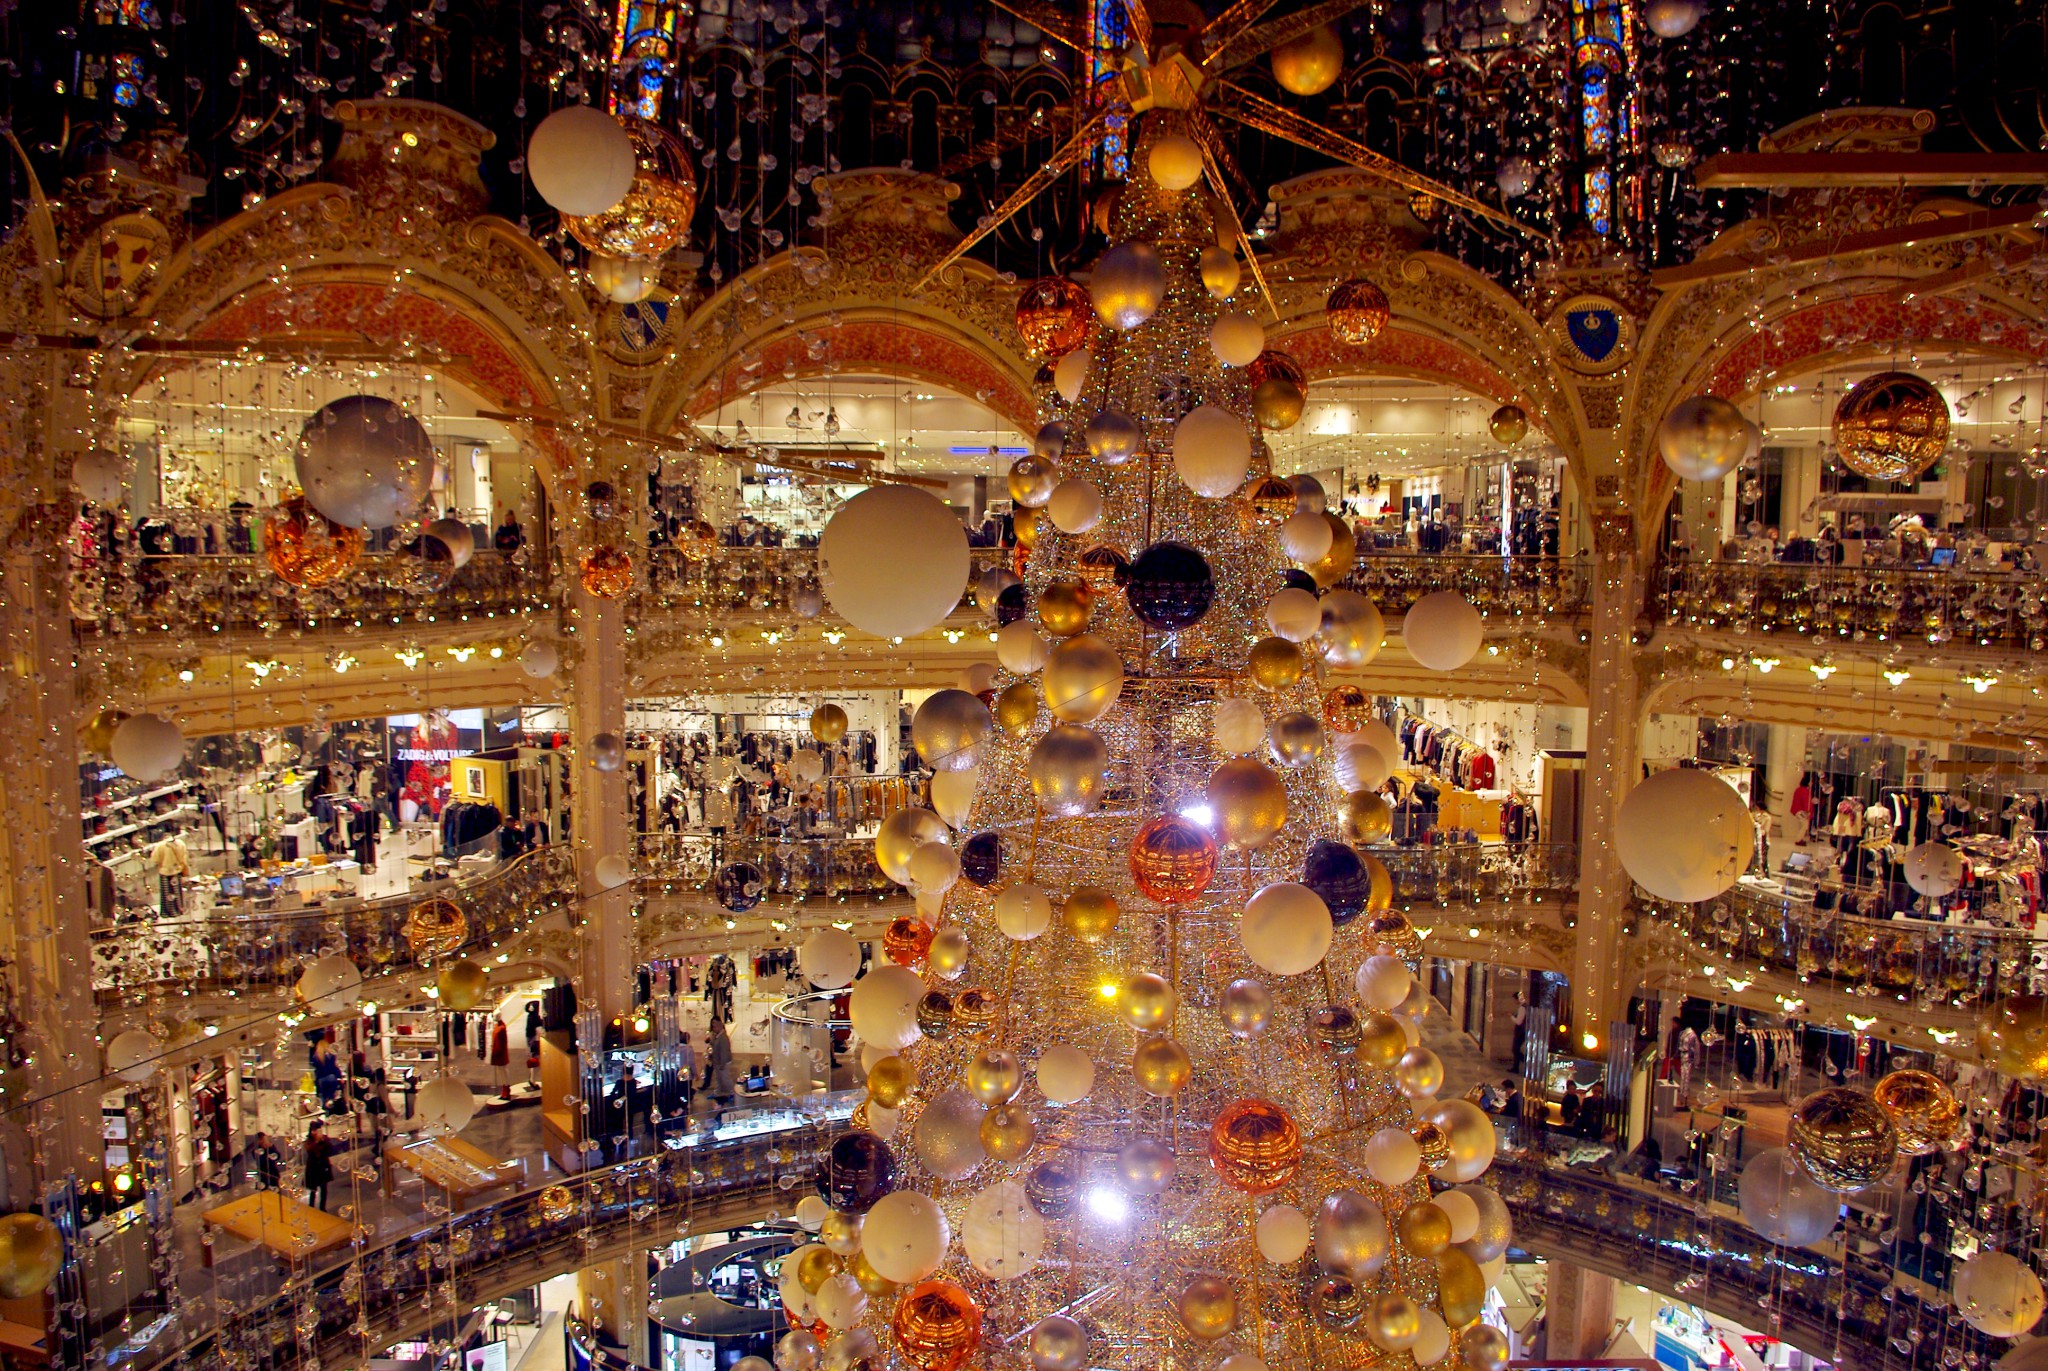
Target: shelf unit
point(144, 798)
point(412, 1037)
point(167, 816)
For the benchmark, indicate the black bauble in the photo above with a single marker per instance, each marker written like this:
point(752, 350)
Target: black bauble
point(1338, 875)
point(981, 858)
point(1297, 579)
point(858, 1171)
point(1013, 604)
point(738, 886)
point(1170, 586)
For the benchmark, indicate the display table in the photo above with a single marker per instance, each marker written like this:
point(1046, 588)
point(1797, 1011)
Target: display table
point(271, 1219)
point(465, 1172)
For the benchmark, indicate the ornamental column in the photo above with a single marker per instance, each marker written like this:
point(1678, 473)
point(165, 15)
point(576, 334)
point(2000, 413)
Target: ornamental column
point(613, 1296)
point(1578, 1313)
point(601, 821)
point(1600, 975)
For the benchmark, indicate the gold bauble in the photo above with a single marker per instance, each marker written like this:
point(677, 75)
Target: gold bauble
point(1207, 1307)
point(1923, 1109)
point(607, 571)
point(840, 1232)
point(1083, 678)
point(1380, 892)
point(1031, 480)
point(973, 1011)
point(890, 1082)
point(1365, 817)
point(1007, 1133)
point(1346, 709)
point(31, 1254)
point(1161, 1067)
point(1357, 311)
point(557, 1202)
point(1310, 64)
point(1508, 425)
point(937, 1325)
point(97, 733)
point(1017, 709)
point(1147, 1001)
point(1843, 1139)
point(1278, 403)
point(1460, 1288)
point(1337, 563)
point(655, 214)
point(1102, 567)
point(1090, 913)
point(935, 1015)
point(1274, 664)
point(1065, 606)
point(1394, 1321)
point(817, 1266)
point(871, 1280)
point(1255, 1146)
point(1274, 501)
point(304, 548)
point(1024, 525)
point(461, 984)
point(1054, 316)
point(994, 1076)
point(1425, 1229)
point(828, 723)
point(1271, 365)
point(1173, 859)
point(1891, 427)
point(1381, 1041)
point(1248, 803)
point(2014, 1037)
point(1388, 931)
point(1433, 1142)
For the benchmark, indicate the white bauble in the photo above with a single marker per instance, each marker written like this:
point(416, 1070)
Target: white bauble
point(807, 766)
point(953, 798)
point(840, 1301)
point(1442, 631)
point(457, 537)
point(905, 1236)
point(1294, 613)
point(811, 1211)
point(1065, 1074)
point(624, 280)
point(1392, 1156)
point(1021, 648)
point(100, 476)
point(133, 1055)
point(1070, 374)
point(1673, 18)
point(1221, 272)
point(1004, 1236)
point(894, 561)
point(613, 871)
point(1352, 630)
point(1236, 338)
point(1463, 1212)
point(1075, 506)
point(935, 867)
point(1375, 734)
point(1305, 537)
point(147, 748)
point(829, 958)
point(883, 1006)
point(539, 660)
point(1781, 1201)
point(1433, 1343)
point(1361, 767)
point(1240, 727)
point(445, 1104)
point(1286, 928)
point(1998, 1294)
point(1684, 835)
point(1933, 869)
point(581, 161)
point(1515, 176)
point(1383, 982)
point(363, 461)
point(1282, 1233)
point(1023, 911)
point(1212, 451)
point(331, 984)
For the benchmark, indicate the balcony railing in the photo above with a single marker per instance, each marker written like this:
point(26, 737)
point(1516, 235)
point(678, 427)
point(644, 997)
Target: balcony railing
point(229, 952)
point(1858, 605)
point(435, 1275)
point(749, 581)
point(1450, 874)
point(791, 868)
point(238, 593)
point(1501, 587)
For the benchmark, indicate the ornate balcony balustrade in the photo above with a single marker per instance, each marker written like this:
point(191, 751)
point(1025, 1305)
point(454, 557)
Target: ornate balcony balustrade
point(1448, 875)
point(235, 593)
point(1837, 605)
point(1914, 961)
point(1501, 587)
point(790, 868)
point(227, 952)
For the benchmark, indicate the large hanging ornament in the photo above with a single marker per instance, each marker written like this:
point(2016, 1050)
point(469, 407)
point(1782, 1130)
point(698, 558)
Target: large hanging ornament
point(1273, 501)
point(1128, 285)
point(1703, 438)
point(894, 561)
point(1175, 161)
point(1248, 802)
point(1310, 64)
point(1212, 451)
point(1891, 427)
point(1338, 875)
point(581, 160)
point(1173, 859)
point(1923, 1109)
point(1286, 929)
point(1684, 835)
point(2013, 1037)
point(1169, 586)
point(364, 462)
point(1337, 563)
point(1357, 311)
point(1254, 1146)
point(31, 1254)
point(1843, 1139)
point(1508, 425)
point(654, 216)
point(1066, 769)
point(607, 571)
point(1998, 1294)
point(1064, 606)
point(1673, 18)
point(1083, 677)
point(1279, 389)
point(1352, 631)
point(1031, 480)
point(828, 723)
point(1781, 1201)
point(1932, 869)
point(147, 748)
point(1442, 631)
point(1114, 437)
point(1053, 316)
point(308, 549)
point(948, 730)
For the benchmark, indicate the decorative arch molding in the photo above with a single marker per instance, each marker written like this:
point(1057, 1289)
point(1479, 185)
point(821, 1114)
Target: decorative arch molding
point(1927, 707)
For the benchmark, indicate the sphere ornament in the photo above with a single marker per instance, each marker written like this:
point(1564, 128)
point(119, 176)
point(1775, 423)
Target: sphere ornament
point(1843, 1139)
point(1083, 677)
point(1346, 709)
point(1998, 1294)
point(1075, 506)
point(893, 561)
point(1057, 1343)
point(1161, 1067)
point(1891, 427)
point(304, 549)
point(1175, 161)
point(1090, 913)
point(1145, 1166)
point(1065, 1074)
point(1173, 859)
point(1008, 1132)
point(1273, 501)
point(365, 462)
point(1703, 438)
point(1310, 64)
point(1212, 451)
point(828, 723)
point(1921, 1107)
point(1351, 1235)
point(857, 1171)
point(1246, 1007)
point(1169, 586)
point(1338, 562)
point(1255, 1146)
point(1066, 768)
point(1128, 285)
point(1508, 425)
point(1279, 389)
point(1351, 632)
point(1221, 273)
point(890, 1081)
point(1248, 801)
point(1673, 18)
point(1031, 480)
point(1103, 567)
point(607, 571)
point(1337, 874)
point(31, 1253)
point(1357, 311)
point(1207, 1307)
point(654, 215)
point(1298, 739)
point(1286, 929)
point(949, 728)
point(906, 941)
point(1460, 1288)
point(1016, 709)
point(461, 984)
point(1054, 316)
point(581, 160)
point(1779, 1200)
point(1114, 437)
point(1684, 835)
point(1274, 664)
point(937, 1326)
point(2014, 1037)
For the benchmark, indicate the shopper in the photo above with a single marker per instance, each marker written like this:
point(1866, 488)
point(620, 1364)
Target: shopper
point(319, 1167)
point(265, 1161)
point(501, 1057)
point(718, 1065)
point(686, 1069)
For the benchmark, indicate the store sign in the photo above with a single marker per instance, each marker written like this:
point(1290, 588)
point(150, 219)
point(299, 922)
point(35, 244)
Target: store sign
point(431, 754)
point(489, 1357)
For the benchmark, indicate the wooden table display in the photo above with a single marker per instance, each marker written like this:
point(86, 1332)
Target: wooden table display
point(461, 1169)
point(274, 1220)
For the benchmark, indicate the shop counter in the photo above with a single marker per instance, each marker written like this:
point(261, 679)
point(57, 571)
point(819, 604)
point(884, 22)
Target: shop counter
point(465, 1172)
point(272, 1219)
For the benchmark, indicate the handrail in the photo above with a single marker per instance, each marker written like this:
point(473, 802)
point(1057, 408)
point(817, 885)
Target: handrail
point(386, 1293)
point(1500, 586)
point(239, 952)
point(1480, 873)
point(1962, 606)
point(793, 868)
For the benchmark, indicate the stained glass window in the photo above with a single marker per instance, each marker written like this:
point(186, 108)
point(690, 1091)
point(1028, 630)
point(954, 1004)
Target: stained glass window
point(643, 53)
point(128, 76)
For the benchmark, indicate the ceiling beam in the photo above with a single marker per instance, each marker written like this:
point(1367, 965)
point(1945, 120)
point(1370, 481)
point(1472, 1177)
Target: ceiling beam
point(1944, 230)
point(1816, 170)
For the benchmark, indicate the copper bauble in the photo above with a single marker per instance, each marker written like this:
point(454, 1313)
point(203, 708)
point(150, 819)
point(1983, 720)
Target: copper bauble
point(828, 723)
point(1357, 311)
point(1254, 1146)
point(1274, 501)
point(1103, 568)
point(1207, 1307)
point(890, 1081)
point(1161, 1067)
point(2013, 1037)
point(1017, 709)
point(607, 571)
point(1508, 425)
point(1064, 607)
point(1274, 664)
point(1248, 802)
point(308, 549)
point(1337, 1028)
point(906, 941)
point(1843, 1139)
point(557, 1202)
point(1008, 1133)
point(1922, 1108)
point(1024, 526)
point(1338, 562)
point(461, 984)
point(1311, 63)
point(1054, 316)
point(1090, 913)
point(937, 1325)
point(1173, 859)
point(1891, 427)
point(1275, 366)
point(1346, 709)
